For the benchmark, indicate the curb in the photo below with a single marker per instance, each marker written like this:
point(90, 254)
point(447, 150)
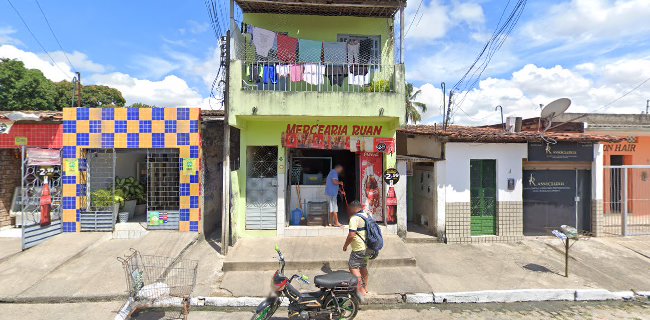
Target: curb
point(522, 295)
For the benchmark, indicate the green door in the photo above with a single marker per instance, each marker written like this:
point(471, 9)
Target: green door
point(483, 192)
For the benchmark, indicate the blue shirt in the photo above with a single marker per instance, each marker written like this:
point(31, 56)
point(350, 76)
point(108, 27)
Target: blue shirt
point(332, 189)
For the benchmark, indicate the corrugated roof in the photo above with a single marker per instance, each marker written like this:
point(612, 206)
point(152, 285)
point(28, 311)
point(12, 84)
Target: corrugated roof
point(33, 115)
point(358, 8)
point(497, 135)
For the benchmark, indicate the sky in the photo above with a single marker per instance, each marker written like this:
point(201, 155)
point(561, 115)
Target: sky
point(165, 52)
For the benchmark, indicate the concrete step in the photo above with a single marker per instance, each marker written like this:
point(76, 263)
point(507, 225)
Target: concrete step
point(306, 253)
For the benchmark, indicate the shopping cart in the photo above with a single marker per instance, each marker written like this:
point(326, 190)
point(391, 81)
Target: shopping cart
point(159, 281)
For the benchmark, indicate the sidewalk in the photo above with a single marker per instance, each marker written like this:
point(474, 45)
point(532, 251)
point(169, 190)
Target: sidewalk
point(79, 266)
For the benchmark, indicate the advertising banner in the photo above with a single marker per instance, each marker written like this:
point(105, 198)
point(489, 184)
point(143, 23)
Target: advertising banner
point(561, 151)
point(371, 165)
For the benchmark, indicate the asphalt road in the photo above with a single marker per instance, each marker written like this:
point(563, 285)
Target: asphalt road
point(511, 311)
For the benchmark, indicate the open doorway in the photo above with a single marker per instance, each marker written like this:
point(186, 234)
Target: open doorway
point(136, 186)
point(308, 170)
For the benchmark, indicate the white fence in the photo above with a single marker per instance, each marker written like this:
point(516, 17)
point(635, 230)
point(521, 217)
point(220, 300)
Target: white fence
point(626, 204)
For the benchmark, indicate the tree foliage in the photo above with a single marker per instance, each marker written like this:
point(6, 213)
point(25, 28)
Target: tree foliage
point(24, 89)
point(412, 113)
point(28, 89)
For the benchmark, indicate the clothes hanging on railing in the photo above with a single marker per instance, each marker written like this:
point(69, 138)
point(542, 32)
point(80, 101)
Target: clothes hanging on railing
point(270, 76)
point(287, 47)
point(335, 52)
point(313, 73)
point(263, 40)
point(296, 73)
point(310, 51)
point(336, 74)
point(353, 51)
point(358, 75)
point(283, 70)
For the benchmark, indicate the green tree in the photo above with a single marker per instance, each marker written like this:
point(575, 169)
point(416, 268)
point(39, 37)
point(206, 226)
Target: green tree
point(92, 96)
point(412, 113)
point(24, 89)
point(142, 105)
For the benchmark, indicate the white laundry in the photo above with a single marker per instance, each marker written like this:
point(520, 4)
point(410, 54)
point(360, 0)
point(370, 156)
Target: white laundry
point(283, 70)
point(313, 74)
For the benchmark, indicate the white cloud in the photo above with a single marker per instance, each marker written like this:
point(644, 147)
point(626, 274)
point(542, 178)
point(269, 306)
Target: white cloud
point(154, 66)
point(34, 61)
point(6, 36)
point(434, 19)
point(578, 22)
point(590, 87)
point(79, 60)
point(171, 91)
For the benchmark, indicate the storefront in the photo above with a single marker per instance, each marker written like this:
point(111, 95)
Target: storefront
point(30, 148)
point(558, 189)
point(284, 165)
point(141, 165)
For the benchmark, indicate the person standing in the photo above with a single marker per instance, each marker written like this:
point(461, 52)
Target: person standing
point(358, 262)
point(331, 191)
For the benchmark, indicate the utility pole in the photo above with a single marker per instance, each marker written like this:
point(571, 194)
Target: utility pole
point(448, 118)
point(443, 86)
point(225, 207)
point(78, 90)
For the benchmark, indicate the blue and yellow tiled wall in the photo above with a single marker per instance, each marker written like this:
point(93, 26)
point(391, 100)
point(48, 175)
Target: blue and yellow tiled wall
point(131, 128)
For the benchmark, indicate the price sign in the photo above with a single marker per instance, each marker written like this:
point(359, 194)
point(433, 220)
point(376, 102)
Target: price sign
point(391, 176)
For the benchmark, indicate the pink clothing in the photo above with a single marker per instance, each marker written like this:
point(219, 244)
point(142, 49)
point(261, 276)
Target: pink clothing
point(296, 73)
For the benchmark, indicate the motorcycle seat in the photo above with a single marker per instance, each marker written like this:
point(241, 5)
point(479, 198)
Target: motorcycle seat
point(336, 279)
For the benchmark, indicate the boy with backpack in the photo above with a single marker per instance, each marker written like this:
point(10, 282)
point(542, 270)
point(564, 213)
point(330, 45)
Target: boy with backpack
point(366, 240)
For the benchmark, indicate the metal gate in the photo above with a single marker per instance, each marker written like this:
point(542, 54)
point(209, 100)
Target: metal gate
point(163, 178)
point(261, 188)
point(40, 168)
point(626, 203)
point(101, 211)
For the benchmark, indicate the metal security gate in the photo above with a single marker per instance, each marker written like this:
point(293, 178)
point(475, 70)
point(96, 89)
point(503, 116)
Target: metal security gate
point(261, 188)
point(626, 204)
point(163, 190)
point(102, 208)
point(41, 170)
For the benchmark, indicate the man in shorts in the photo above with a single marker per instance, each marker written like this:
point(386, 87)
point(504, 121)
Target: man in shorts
point(332, 191)
point(359, 256)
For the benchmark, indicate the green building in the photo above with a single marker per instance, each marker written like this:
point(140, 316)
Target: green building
point(313, 84)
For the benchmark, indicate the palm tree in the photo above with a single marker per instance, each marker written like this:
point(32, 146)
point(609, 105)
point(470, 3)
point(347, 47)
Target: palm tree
point(412, 113)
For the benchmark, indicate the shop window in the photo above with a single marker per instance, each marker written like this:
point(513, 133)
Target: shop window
point(483, 186)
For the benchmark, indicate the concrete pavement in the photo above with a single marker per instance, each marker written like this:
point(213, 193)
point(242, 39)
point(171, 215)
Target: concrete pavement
point(80, 266)
point(509, 311)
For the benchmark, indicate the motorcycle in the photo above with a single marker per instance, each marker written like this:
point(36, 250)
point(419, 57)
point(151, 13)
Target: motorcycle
point(336, 299)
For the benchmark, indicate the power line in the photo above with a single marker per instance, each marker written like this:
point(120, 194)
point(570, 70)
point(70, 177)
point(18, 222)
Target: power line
point(54, 35)
point(413, 20)
point(604, 106)
point(35, 38)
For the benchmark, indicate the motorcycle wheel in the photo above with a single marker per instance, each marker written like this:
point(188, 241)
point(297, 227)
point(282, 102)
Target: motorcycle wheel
point(266, 309)
point(348, 304)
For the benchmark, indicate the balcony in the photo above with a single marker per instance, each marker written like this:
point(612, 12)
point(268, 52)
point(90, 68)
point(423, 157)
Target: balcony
point(383, 98)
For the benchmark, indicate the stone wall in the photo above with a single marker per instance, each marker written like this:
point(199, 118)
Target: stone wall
point(509, 223)
point(10, 168)
point(598, 219)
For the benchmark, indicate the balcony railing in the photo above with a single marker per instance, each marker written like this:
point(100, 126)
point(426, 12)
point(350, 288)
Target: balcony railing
point(318, 77)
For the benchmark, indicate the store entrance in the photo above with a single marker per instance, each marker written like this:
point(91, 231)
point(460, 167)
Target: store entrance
point(306, 175)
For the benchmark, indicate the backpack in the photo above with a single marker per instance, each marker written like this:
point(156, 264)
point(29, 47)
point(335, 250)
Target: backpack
point(374, 239)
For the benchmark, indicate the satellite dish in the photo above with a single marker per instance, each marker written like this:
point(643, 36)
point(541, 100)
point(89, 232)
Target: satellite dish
point(553, 110)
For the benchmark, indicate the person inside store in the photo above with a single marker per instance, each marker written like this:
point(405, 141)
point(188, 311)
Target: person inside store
point(358, 262)
point(332, 187)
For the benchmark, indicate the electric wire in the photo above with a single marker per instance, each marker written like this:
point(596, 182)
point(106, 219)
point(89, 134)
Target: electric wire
point(36, 39)
point(47, 21)
point(413, 20)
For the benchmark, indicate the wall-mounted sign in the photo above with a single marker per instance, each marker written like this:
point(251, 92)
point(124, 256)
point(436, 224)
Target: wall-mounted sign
point(5, 126)
point(21, 141)
point(371, 187)
point(391, 176)
point(189, 166)
point(330, 142)
point(335, 129)
point(71, 167)
point(620, 147)
point(561, 151)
